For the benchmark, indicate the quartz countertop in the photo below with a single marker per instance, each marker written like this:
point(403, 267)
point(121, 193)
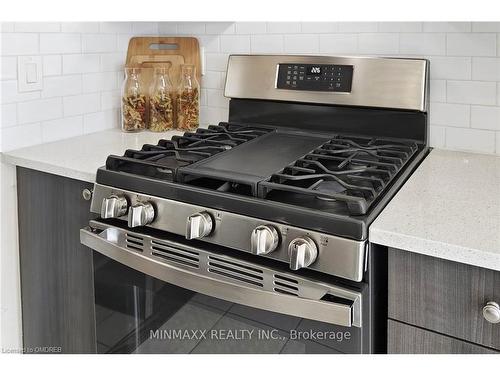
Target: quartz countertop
point(81, 156)
point(449, 208)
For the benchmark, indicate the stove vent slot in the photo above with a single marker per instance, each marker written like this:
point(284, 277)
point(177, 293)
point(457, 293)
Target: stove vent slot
point(174, 254)
point(134, 242)
point(236, 271)
point(286, 285)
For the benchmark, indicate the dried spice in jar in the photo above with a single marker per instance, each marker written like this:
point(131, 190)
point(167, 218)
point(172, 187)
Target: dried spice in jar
point(133, 102)
point(188, 100)
point(161, 103)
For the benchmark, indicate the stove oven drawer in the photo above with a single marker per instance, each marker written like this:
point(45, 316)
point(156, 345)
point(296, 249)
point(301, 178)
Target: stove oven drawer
point(224, 277)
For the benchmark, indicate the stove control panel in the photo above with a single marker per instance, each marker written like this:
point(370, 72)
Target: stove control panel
point(319, 77)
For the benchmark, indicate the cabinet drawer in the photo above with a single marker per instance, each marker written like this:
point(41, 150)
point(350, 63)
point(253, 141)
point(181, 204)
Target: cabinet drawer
point(443, 296)
point(405, 339)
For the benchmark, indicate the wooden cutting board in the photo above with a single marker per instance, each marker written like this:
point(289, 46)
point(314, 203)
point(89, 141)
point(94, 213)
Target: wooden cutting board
point(150, 52)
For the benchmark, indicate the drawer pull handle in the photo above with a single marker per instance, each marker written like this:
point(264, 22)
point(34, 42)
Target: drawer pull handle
point(491, 312)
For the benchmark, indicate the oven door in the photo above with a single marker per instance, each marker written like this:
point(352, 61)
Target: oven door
point(157, 293)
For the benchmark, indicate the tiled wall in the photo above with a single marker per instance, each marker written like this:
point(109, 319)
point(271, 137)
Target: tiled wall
point(84, 61)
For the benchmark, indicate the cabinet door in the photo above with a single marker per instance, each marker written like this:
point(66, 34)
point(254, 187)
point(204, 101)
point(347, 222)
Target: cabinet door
point(57, 288)
point(443, 296)
point(406, 339)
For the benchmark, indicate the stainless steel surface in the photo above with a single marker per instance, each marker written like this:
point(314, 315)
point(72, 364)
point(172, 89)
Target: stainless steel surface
point(303, 252)
point(140, 214)
point(87, 194)
point(224, 277)
point(199, 225)
point(264, 239)
point(377, 82)
point(491, 312)
point(113, 206)
point(336, 255)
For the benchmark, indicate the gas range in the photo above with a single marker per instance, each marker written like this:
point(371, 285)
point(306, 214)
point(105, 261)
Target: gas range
point(314, 148)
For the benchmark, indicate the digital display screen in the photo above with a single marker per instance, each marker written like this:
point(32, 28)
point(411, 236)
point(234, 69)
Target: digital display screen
point(313, 70)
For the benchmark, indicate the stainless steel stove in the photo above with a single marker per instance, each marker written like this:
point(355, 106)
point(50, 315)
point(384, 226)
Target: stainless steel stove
point(264, 216)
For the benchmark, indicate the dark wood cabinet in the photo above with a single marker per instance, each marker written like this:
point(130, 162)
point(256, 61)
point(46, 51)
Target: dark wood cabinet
point(441, 296)
point(57, 289)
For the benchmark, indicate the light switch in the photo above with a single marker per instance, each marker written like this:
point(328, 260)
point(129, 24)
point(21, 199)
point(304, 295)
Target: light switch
point(29, 73)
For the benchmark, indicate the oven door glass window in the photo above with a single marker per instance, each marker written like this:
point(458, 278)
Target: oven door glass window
point(137, 313)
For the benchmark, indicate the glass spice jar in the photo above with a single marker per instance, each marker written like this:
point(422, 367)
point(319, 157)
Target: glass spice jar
point(133, 102)
point(188, 99)
point(161, 103)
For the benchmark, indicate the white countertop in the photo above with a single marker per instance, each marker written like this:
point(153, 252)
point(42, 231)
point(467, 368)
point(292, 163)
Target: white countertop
point(449, 208)
point(80, 157)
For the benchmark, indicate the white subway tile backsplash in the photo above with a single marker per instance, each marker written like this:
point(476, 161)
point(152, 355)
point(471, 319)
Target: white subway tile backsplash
point(457, 115)
point(62, 86)
point(80, 27)
point(216, 61)
point(211, 43)
point(319, 27)
point(283, 27)
point(9, 115)
point(498, 143)
point(99, 43)
point(21, 136)
point(145, 28)
point(486, 68)
point(471, 92)
point(219, 28)
point(448, 27)
point(423, 44)
point(62, 128)
point(100, 121)
point(402, 27)
point(301, 43)
point(437, 137)
point(235, 43)
point(113, 62)
point(485, 117)
point(110, 100)
point(450, 67)
point(438, 90)
point(9, 93)
point(60, 43)
point(470, 140)
point(81, 104)
point(212, 80)
point(338, 43)
point(267, 43)
point(37, 27)
point(482, 27)
point(498, 93)
point(357, 27)
point(250, 28)
point(167, 28)
point(15, 44)
point(378, 44)
point(470, 44)
point(7, 27)
point(115, 27)
point(95, 82)
point(191, 28)
point(9, 68)
point(215, 98)
point(52, 65)
point(81, 63)
point(39, 110)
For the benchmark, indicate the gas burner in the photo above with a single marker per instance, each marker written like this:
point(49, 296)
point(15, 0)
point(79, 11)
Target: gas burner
point(163, 159)
point(351, 170)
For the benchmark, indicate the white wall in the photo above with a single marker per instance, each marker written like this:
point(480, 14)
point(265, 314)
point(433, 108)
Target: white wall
point(83, 62)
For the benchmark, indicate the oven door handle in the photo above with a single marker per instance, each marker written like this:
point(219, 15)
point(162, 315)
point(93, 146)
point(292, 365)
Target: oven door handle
point(111, 242)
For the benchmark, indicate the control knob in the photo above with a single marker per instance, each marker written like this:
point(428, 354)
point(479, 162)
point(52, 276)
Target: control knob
point(264, 239)
point(113, 207)
point(302, 252)
point(141, 214)
point(199, 225)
